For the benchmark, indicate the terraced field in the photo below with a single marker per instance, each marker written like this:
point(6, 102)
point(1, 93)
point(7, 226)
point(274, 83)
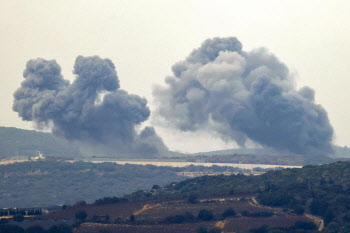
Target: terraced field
point(149, 217)
point(178, 207)
point(243, 224)
point(113, 228)
point(122, 210)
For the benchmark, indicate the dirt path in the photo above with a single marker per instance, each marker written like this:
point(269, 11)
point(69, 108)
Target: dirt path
point(144, 208)
point(221, 224)
point(318, 221)
point(256, 203)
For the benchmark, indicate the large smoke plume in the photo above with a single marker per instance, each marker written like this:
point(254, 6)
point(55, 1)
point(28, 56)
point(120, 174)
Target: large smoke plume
point(244, 95)
point(92, 110)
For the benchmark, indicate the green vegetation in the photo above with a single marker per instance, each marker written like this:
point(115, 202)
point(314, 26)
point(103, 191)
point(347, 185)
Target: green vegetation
point(61, 228)
point(229, 212)
point(205, 215)
point(212, 230)
point(81, 215)
point(320, 190)
point(45, 183)
point(277, 159)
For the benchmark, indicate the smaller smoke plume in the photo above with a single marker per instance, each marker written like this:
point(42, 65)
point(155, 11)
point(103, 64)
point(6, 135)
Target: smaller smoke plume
point(92, 110)
point(243, 95)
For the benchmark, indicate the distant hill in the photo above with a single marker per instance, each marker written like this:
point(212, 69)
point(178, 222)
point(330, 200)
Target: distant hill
point(21, 142)
point(339, 152)
point(243, 151)
point(14, 141)
point(46, 183)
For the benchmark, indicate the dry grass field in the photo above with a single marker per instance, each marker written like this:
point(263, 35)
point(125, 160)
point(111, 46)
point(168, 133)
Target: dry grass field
point(113, 228)
point(177, 208)
point(243, 224)
point(123, 210)
point(149, 217)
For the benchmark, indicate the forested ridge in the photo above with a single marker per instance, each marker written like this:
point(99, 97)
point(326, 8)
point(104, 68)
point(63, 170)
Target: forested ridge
point(14, 141)
point(322, 190)
point(44, 183)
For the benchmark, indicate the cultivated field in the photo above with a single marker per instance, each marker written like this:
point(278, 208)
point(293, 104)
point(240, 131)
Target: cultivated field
point(177, 208)
point(149, 217)
point(123, 210)
point(243, 224)
point(113, 228)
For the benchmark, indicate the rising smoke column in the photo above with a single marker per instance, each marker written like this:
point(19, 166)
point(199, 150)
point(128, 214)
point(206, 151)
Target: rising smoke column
point(92, 110)
point(243, 95)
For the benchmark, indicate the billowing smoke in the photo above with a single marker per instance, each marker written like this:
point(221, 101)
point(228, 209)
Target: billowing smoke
point(92, 110)
point(243, 95)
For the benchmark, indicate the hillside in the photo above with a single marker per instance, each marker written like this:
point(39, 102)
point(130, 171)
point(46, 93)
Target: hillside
point(273, 155)
point(295, 160)
point(14, 141)
point(44, 183)
point(21, 142)
point(320, 190)
point(308, 200)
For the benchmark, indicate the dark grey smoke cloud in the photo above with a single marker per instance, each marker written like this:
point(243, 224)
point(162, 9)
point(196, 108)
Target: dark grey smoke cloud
point(92, 110)
point(243, 95)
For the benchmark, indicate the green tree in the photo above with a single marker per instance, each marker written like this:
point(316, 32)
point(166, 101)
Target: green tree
point(11, 229)
point(35, 229)
point(202, 230)
point(299, 210)
point(229, 212)
point(262, 229)
point(61, 228)
point(81, 215)
point(192, 198)
point(18, 217)
point(205, 215)
point(215, 230)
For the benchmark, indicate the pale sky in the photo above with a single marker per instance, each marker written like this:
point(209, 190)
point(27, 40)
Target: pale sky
point(145, 38)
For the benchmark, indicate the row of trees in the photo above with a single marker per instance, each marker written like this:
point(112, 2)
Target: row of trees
point(62, 228)
point(13, 212)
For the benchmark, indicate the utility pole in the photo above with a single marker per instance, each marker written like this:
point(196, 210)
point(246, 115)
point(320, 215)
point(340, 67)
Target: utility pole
point(158, 195)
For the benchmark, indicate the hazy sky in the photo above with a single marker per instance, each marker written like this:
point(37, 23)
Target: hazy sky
point(145, 38)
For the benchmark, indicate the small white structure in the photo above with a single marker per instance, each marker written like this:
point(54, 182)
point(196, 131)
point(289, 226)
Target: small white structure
point(40, 157)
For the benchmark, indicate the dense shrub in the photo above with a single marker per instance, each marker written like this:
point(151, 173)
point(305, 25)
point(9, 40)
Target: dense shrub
point(202, 230)
point(61, 228)
point(318, 207)
point(11, 229)
point(299, 210)
point(215, 230)
point(229, 213)
point(81, 215)
point(35, 229)
point(18, 217)
point(205, 215)
point(256, 214)
point(175, 219)
point(109, 200)
point(305, 225)
point(262, 229)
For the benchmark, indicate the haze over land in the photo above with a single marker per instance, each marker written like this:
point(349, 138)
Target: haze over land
point(145, 39)
point(242, 96)
point(174, 116)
